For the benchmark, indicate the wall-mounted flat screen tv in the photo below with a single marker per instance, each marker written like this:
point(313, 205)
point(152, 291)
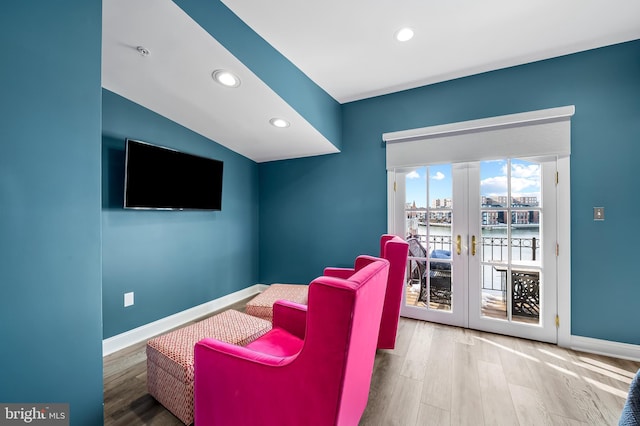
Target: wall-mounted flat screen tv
point(160, 178)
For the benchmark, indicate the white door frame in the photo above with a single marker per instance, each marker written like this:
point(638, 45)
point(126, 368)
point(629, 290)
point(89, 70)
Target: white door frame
point(542, 132)
point(457, 316)
point(545, 329)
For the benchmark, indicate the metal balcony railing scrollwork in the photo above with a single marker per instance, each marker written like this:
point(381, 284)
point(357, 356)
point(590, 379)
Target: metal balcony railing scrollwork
point(494, 249)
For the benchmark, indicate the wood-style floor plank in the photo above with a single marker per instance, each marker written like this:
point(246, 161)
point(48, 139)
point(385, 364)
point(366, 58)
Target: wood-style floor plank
point(437, 375)
point(497, 403)
point(405, 403)
point(433, 416)
point(529, 407)
point(466, 405)
point(383, 383)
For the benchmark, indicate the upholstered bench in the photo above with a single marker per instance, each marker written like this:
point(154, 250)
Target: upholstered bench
point(170, 356)
point(261, 306)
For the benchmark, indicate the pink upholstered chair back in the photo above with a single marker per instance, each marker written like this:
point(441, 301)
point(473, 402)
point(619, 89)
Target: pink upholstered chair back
point(350, 311)
point(325, 382)
point(396, 251)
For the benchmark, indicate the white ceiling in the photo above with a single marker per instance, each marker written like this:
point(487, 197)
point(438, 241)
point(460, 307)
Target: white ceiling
point(346, 47)
point(175, 81)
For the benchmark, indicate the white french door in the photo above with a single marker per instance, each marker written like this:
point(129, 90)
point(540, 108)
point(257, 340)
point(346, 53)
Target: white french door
point(482, 238)
point(512, 260)
point(427, 204)
point(489, 230)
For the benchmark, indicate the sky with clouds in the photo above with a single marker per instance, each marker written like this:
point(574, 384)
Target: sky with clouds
point(525, 180)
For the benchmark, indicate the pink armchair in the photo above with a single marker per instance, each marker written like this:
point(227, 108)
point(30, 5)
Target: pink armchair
point(396, 251)
point(313, 368)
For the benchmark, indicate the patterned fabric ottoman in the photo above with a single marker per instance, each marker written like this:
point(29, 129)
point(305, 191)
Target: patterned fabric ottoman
point(170, 356)
point(261, 306)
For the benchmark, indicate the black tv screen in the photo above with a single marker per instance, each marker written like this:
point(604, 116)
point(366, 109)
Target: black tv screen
point(165, 179)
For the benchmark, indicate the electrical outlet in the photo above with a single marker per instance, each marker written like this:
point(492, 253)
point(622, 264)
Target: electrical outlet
point(598, 213)
point(128, 299)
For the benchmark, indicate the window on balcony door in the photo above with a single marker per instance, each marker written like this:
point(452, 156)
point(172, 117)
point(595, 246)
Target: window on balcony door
point(477, 204)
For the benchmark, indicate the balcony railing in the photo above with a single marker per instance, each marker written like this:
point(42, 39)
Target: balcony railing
point(493, 249)
point(524, 248)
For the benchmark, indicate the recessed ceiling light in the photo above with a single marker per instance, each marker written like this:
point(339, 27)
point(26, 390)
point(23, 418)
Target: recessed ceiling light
point(143, 50)
point(226, 78)
point(404, 34)
point(279, 122)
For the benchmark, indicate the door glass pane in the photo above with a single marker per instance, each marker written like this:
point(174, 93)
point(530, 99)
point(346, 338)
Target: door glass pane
point(439, 230)
point(416, 274)
point(525, 237)
point(526, 247)
point(510, 239)
point(440, 241)
point(440, 187)
point(495, 238)
point(416, 236)
point(493, 184)
point(494, 291)
point(526, 295)
point(525, 183)
point(494, 250)
point(416, 202)
point(428, 213)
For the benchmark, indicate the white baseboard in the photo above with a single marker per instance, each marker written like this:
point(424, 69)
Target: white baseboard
point(606, 347)
point(147, 331)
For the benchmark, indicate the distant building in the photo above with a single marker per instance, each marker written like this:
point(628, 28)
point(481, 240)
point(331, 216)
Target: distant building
point(519, 217)
point(412, 219)
point(503, 201)
point(441, 203)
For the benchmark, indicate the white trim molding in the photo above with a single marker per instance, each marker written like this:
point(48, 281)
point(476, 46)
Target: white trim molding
point(541, 134)
point(535, 133)
point(510, 120)
point(563, 214)
point(606, 347)
point(147, 331)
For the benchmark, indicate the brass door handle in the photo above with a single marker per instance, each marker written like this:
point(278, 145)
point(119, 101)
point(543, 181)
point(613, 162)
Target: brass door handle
point(473, 245)
point(458, 245)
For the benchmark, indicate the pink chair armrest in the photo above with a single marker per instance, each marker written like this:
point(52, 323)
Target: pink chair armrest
point(217, 348)
point(222, 371)
point(344, 273)
point(364, 260)
point(291, 317)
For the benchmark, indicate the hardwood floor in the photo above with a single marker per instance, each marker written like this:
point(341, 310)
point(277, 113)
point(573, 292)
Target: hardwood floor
point(126, 401)
point(438, 375)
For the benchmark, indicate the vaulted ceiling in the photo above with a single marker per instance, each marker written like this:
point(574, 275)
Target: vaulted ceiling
point(347, 48)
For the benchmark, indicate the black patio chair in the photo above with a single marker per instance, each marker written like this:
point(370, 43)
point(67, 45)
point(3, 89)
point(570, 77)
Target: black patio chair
point(439, 273)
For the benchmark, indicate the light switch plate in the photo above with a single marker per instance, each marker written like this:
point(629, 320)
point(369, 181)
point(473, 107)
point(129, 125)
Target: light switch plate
point(128, 299)
point(598, 213)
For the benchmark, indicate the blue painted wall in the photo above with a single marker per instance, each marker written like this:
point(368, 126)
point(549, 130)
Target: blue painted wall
point(171, 260)
point(326, 210)
point(60, 184)
point(284, 78)
point(50, 278)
